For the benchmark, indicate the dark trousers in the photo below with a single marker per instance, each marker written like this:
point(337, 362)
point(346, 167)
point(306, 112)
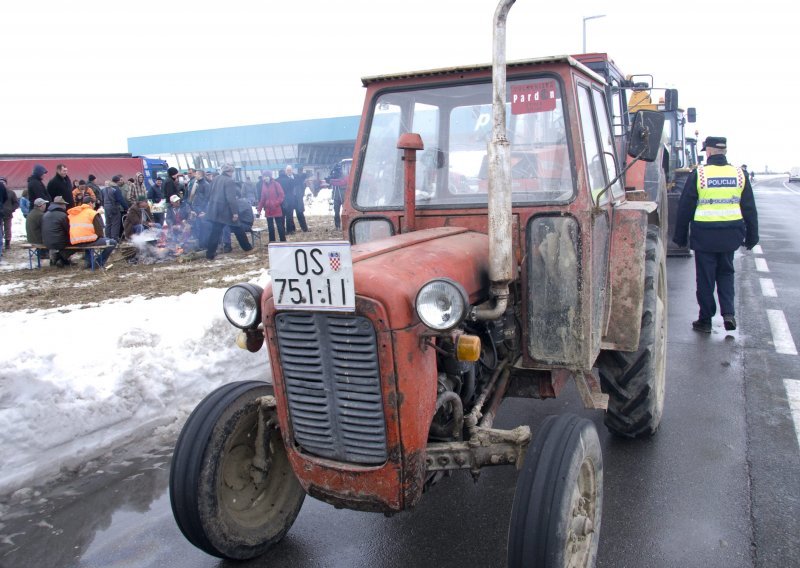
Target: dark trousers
point(216, 232)
point(273, 222)
point(714, 269)
point(338, 194)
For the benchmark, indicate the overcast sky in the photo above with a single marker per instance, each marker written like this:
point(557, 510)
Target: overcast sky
point(84, 76)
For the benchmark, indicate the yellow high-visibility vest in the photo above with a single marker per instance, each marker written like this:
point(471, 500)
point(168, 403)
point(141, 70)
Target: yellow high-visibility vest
point(719, 192)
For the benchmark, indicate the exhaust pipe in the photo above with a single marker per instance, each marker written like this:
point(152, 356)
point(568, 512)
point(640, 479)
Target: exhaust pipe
point(501, 265)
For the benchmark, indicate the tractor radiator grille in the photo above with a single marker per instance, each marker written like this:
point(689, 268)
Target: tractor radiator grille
point(330, 369)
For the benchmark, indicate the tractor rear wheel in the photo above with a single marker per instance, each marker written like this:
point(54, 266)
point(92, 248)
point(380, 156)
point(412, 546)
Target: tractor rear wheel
point(635, 381)
point(232, 489)
point(558, 503)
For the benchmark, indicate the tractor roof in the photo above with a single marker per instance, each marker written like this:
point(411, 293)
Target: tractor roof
point(446, 71)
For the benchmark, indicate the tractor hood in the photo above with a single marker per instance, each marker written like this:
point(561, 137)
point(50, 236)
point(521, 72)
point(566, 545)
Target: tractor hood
point(391, 271)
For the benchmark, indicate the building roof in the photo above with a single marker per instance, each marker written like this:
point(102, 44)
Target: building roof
point(318, 130)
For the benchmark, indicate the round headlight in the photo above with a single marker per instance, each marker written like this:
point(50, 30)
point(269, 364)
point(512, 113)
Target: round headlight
point(442, 304)
point(242, 305)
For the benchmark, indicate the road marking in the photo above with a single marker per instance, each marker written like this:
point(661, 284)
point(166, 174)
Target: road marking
point(757, 250)
point(793, 396)
point(768, 288)
point(781, 336)
point(761, 264)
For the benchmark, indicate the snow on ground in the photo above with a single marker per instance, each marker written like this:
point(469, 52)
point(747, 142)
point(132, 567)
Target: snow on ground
point(75, 383)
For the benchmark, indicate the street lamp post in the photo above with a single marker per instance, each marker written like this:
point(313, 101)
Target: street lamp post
point(584, 27)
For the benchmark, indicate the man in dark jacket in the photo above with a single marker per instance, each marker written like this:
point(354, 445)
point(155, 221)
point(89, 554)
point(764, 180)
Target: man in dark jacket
point(33, 223)
point(115, 207)
point(36, 188)
point(10, 205)
point(61, 185)
point(55, 232)
point(223, 210)
point(171, 186)
point(293, 188)
point(718, 202)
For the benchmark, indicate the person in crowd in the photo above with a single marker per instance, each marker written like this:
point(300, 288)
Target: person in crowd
point(90, 183)
point(33, 223)
point(139, 218)
point(115, 206)
point(55, 232)
point(86, 229)
point(223, 210)
point(36, 188)
point(246, 218)
point(137, 188)
point(74, 186)
point(718, 203)
point(270, 203)
point(179, 221)
point(60, 184)
point(24, 203)
point(293, 188)
point(198, 200)
point(83, 191)
point(210, 175)
point(171, 185)
point(3, 200)
point(33, 226)
point(10, 205)
point(156, 196)
point(249, 191)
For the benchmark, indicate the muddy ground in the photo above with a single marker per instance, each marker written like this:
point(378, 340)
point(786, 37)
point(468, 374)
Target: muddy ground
point(51, 287)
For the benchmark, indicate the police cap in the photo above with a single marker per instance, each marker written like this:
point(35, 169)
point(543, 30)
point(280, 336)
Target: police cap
point(719, 142)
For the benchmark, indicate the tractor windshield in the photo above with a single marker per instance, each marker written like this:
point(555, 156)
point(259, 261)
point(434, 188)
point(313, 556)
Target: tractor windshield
point(455, 123)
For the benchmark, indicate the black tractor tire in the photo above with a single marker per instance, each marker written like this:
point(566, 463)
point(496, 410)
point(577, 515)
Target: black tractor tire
point(635, 381)
point(222, 502)
point(558, 503)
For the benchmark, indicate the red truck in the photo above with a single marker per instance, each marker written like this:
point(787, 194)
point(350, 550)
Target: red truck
point(17, 168)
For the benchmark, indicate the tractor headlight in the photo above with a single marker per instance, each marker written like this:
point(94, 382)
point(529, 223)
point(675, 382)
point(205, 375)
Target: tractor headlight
point(442, 304)
point(242, 305)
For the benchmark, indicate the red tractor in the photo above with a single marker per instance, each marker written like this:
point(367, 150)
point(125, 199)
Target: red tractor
point(391, 352)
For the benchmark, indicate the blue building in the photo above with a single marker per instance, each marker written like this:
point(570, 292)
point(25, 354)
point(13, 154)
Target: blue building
point(312, 146)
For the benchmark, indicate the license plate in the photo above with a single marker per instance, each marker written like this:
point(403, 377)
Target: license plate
point(312, 276)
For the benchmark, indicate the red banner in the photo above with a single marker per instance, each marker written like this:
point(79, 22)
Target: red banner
point(533, 97)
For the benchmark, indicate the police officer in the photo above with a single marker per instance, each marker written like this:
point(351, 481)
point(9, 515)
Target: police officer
point(718, 202)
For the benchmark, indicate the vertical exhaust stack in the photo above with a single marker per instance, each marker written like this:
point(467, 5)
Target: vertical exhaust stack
point(501, 265)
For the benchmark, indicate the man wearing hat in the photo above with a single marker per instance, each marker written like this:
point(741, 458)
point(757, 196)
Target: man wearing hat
point(223, 210)
point(33, 224)
point(717, 201)
point(36, 188)
point(55, 232)
point(139, 218)
point(171, 186)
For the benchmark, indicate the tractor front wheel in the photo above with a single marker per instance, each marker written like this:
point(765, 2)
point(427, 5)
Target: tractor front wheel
point(558, 503)
point(232, 489)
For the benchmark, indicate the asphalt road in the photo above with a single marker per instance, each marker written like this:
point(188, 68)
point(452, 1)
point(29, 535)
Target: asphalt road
point(718, 486)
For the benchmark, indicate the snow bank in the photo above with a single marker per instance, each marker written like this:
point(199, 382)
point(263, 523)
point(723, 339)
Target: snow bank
point(77, 382)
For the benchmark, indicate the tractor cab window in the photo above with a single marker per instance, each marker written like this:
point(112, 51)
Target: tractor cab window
point(598, 143)
point(455, 124)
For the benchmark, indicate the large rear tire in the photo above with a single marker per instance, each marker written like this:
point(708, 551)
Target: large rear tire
point(635, 381)
point(558, 503)
point(225, 499)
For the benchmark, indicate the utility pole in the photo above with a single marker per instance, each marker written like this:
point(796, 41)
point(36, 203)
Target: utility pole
point(584, 28)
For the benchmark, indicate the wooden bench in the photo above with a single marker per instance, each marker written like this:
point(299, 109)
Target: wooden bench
point(34, 248)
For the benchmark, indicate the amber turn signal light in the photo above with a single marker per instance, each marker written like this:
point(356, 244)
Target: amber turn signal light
point(468, 348)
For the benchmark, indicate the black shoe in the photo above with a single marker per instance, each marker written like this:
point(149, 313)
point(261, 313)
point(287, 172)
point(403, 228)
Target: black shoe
point(730, 322)
point(702, 325)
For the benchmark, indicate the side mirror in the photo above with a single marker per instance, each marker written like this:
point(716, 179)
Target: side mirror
point(691, 114)
point(645, 136)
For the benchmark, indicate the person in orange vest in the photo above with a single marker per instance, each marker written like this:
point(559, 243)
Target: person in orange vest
point(86, 229)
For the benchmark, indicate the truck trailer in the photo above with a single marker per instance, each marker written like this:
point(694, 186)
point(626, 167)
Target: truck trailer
point(17, 168)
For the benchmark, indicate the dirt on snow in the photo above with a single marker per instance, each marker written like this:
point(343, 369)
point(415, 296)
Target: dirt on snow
point(76, 286)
